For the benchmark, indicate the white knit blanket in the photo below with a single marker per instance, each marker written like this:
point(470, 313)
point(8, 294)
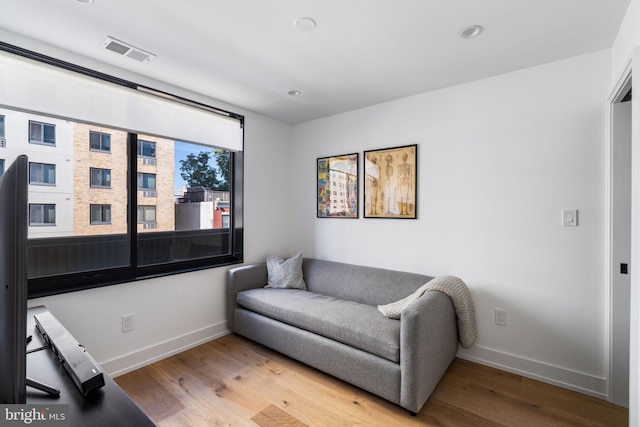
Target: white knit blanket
point(459, 293)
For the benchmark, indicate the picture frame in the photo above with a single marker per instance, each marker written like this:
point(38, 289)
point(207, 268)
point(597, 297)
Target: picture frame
point(337, 186)
point(390, 182)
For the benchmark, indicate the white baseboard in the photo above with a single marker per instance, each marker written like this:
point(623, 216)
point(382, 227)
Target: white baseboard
point(577, 381)
point(148, 355)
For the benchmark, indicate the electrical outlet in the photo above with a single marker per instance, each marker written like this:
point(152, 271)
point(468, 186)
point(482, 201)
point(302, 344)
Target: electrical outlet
point(501, 317)
point(127, 323)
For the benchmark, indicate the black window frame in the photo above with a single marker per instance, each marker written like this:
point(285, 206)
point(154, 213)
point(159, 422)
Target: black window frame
point(58, 284)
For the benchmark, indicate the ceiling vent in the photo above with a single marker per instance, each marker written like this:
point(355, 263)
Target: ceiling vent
point(127, 50)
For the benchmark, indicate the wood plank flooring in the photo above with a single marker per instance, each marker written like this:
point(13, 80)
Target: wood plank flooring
point(234, 382)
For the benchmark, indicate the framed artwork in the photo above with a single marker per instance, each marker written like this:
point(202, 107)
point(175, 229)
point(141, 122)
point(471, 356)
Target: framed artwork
point(390, 178)
point(337, 187)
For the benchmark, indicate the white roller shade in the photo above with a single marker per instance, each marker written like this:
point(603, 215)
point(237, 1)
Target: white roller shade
point(45, 89)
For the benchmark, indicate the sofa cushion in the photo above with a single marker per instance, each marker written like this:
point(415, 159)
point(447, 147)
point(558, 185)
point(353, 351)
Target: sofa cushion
point(358, 325)
point(285, 273)
point(366, 285)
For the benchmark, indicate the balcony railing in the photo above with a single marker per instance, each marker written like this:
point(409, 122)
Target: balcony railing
point(65, 255)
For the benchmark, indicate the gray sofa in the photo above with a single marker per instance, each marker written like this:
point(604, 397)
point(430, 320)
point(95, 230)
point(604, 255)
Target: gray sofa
point(335, 326)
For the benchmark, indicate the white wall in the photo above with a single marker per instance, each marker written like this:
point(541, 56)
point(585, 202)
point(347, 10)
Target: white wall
point(176, 312)
point(628, 37)
point(498, 161)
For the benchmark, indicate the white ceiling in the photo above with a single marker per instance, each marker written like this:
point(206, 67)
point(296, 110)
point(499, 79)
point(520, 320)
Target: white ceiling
point(363, 52)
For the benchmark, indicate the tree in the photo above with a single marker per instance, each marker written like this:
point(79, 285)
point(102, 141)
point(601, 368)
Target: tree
point(223, 159)
point(197, 171)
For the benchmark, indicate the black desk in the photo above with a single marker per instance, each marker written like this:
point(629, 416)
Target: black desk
point(108, 406)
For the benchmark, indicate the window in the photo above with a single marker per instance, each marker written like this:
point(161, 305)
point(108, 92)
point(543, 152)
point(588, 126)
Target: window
point(42, 133)
point(42, 215)
point(1, 127)
point(100, 214)
point(100, 178)
point(100, 141)
point(146, 214)
point(146, 148)
point(1, 167)
point(189, 224)
point(82, 236)
point(42, 174)
point(146, 181)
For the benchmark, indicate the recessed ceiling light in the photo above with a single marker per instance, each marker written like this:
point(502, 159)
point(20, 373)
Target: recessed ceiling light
point(85, 1)
point(470, 32)
point(294, 92)
point(304, 24)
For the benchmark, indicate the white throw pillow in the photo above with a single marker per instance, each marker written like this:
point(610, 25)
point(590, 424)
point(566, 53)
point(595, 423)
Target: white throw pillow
point(285, 273)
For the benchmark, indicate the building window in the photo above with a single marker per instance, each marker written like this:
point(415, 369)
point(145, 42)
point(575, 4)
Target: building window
point(42, 214)
point(146, 181)
point(146, 214)
point(42, 174)
point(1, 167)
point(146, 148)
point(2, 127)
point(100, 178)
point(42, 133)
point(100, 141)
point(100, 214)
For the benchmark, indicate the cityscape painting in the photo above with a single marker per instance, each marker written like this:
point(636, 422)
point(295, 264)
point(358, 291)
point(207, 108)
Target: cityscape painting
point(337, 186)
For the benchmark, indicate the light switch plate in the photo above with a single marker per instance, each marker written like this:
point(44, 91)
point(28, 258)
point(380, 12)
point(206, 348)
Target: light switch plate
point(570, 217)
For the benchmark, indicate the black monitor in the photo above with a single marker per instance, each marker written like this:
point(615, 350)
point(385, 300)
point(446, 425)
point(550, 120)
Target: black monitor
point(13, 282)
point(13, 285)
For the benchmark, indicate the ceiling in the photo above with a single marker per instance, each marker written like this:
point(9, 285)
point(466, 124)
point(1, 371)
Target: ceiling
point(362, 52)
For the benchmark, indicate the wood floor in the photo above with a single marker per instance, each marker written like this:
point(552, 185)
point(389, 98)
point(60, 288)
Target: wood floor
point(234, 382)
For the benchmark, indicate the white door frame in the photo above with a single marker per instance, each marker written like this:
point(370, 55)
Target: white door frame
point(617, 384)
point(634, 366)
point(634, 341)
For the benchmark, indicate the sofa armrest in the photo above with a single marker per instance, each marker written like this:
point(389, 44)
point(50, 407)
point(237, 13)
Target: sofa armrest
point(428, 344)
point(240, 279)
